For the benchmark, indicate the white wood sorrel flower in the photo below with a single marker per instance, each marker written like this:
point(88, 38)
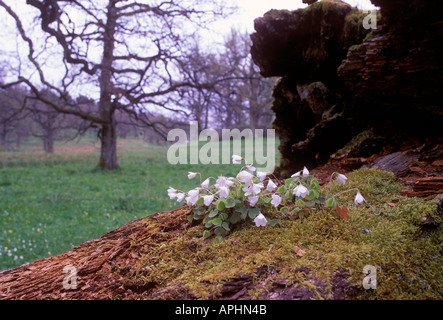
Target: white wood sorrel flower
point(192, 175)
point(180, 196)
point(256, 188)
point(359, 198)
point(208, 200)
point(172, 193)
point(253, 200)
point(276, 200)
point(295, 175)
point(245, 177)
point(271, 185)
point(205, 184)
point(260, 220)
point(261, 175)
point(192, 197)
point(301, 191)
point(224, 182)
point(304, 172)
point(341, 179)
point(250, 168)
point(236, 159)
point(223, 192)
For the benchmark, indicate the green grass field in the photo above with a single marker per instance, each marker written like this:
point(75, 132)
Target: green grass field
point(51, 203)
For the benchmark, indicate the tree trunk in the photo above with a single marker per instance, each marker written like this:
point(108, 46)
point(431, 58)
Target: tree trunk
point(108, 151)
point(48, 142)
point(108, 132)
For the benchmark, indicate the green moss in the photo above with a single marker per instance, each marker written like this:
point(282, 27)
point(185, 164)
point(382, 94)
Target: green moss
point(407, 257)
point(363, 140)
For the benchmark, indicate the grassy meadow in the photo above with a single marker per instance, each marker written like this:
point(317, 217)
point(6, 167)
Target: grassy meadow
point(50, 203)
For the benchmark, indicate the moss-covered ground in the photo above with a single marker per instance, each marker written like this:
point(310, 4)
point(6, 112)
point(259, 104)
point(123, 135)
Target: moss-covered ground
point(388, 232)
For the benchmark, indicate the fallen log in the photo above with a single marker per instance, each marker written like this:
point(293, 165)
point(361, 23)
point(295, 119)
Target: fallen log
point(423, 187)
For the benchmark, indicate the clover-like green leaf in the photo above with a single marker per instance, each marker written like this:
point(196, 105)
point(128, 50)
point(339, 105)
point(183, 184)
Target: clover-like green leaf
point(220, 204)
point(253, 212)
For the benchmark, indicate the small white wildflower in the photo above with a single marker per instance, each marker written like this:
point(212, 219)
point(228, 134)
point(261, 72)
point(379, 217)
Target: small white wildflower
point(260, 220)
point(192, 197)
point(247, 190)
point(236, 159)
point(253, 200)
point(276, 200)
point(208, 200)
point(245, 177)
point(261, 175)
point(192, 175)
point(296, 175)
point(224, 192)
point(180, 196)
point(305, 172)
point(224, 182)
point(341, 179)
point(271, 185)
point(205, 184)
point(172, 193)
point(359, 198)
point(256, 188)
point(301, 191)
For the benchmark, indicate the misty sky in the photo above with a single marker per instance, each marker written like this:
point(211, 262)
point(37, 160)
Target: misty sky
point(242, 19)
point(251, 9)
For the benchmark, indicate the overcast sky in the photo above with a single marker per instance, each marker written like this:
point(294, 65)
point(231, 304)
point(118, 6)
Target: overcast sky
point(251, 9)
point(242, 19)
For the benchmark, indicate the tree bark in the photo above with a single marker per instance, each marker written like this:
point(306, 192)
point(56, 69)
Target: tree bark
point(108, 152)
point(108, 132)
point(48, 143)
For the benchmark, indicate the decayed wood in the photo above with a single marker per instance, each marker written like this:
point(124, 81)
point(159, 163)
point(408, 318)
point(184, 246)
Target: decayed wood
point(423, 187)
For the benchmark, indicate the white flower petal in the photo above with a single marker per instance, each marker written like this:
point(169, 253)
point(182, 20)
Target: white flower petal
point(245, 177)
point(247, 190)
point(296, 175)
point(236, 159)
point(192, 175)
point(208, 200)
point(223, 192)
point(205, 184)
point(253, 201)
point(305, 172)
point(341, 179)
point(180, 197)
point(260, 220)
point(256, 188)
point(359, 198)
point(301, 191)
point(172, 195)
point(271, 185)
point(261, 175)
point(171, 190)
point(250, 168)
point(276, 200)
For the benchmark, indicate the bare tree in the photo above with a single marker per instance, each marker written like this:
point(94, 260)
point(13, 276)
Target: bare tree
point(50, 122)
point(127, 53)
point(12, 116)
point(242, 99)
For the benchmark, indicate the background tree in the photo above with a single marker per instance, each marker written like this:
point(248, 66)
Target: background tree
point(243, 97)
point(14, 125)
point(50, 124)
point(126, 53)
